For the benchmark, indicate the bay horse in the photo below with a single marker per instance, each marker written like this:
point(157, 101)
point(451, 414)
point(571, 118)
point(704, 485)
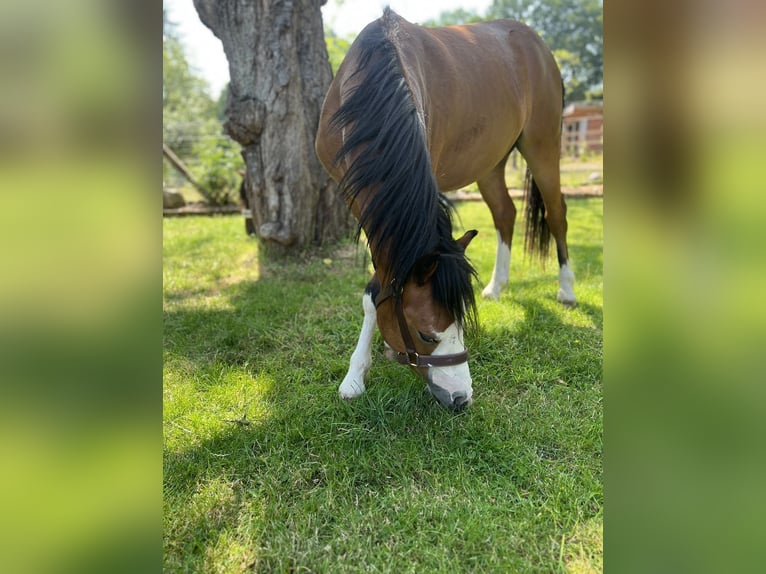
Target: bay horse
point(415, 111)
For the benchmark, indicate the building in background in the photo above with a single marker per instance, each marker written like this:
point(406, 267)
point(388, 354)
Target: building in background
point(582, 129)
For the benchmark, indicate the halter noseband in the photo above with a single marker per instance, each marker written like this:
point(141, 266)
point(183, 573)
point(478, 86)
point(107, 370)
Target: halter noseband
point(411, 357)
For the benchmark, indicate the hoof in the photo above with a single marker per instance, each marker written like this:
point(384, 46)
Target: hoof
point(566, 301)
point(490, 292)
point(350, 388)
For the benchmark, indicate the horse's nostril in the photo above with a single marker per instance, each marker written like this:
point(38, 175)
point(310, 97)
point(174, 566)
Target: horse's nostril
point(454, 401)
point(460, 400)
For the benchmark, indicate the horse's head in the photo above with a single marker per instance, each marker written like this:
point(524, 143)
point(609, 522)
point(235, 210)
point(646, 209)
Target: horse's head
point(422, 323)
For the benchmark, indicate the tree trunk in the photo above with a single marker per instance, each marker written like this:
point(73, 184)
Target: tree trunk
point(279, 73)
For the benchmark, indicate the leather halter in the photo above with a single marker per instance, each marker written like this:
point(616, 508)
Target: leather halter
point(411, 357)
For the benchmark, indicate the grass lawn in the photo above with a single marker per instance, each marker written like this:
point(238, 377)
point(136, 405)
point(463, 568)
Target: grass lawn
point(574, 172)
point(266, 469)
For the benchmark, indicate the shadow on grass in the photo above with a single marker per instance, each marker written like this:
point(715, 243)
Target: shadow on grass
point(279, 313)
point(516, 471)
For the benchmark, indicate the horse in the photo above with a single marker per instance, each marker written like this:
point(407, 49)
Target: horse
point(415, 111)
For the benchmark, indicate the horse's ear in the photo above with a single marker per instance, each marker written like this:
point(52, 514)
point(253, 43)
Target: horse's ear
point(425, 267)
point(466, 239)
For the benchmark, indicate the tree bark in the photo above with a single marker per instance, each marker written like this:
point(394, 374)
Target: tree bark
point(279, 73)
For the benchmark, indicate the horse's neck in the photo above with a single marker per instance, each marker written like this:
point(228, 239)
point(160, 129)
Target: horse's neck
point(383, 269)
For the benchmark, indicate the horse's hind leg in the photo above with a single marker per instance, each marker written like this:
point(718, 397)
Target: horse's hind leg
point(544, 166)
point(361, 359)
point(495, 194)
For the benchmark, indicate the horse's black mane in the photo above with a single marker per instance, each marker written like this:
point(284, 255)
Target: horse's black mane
point(406, 216)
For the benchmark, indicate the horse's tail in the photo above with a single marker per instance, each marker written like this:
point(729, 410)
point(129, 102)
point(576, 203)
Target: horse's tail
point(538, 235)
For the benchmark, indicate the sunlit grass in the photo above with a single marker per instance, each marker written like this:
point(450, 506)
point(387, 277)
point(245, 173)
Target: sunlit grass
point(267, 469)
point(586, 170)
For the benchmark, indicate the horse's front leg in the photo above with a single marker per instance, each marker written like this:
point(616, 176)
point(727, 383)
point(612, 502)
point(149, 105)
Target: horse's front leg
point(361, 359)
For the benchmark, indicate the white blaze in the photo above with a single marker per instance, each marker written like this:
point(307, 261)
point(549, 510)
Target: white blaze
point(454, 378)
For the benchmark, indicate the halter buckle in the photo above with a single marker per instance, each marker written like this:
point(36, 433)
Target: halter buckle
point(414, 358)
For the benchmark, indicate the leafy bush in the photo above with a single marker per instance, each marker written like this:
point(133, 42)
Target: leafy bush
point(337, 48)
point(217, 169)
point(191, 126)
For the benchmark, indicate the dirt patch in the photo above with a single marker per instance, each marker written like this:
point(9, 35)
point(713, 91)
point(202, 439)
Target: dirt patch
point(200, 208)
point(572, 192)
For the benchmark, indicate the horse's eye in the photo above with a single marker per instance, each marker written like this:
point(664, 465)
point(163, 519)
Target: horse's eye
point(426, 339)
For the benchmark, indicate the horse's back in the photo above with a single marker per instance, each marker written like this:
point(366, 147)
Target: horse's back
point(477, 87)
point(481, 85)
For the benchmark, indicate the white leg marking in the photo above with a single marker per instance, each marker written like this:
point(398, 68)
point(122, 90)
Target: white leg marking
point(566, 286)
point(361, 359)
point(500, 272)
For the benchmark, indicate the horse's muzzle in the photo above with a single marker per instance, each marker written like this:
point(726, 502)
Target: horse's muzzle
point(454, 401)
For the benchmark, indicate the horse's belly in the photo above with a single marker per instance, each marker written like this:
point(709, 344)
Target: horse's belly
point(464, 160)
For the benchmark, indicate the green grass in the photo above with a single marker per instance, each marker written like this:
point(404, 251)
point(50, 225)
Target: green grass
point(390, 482)
point(575, 172)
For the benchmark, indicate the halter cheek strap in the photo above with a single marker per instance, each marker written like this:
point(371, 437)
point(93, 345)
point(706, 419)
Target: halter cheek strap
point(411, 357)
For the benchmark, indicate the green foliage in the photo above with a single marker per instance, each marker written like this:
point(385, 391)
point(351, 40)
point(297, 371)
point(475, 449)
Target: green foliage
point(570, 66)
point(188, 111)
point(267, 470)
point(217, 169)
point(192, 126)
point(573, 29)
point(221, 102)
point(453, 17)
point(337, 48)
